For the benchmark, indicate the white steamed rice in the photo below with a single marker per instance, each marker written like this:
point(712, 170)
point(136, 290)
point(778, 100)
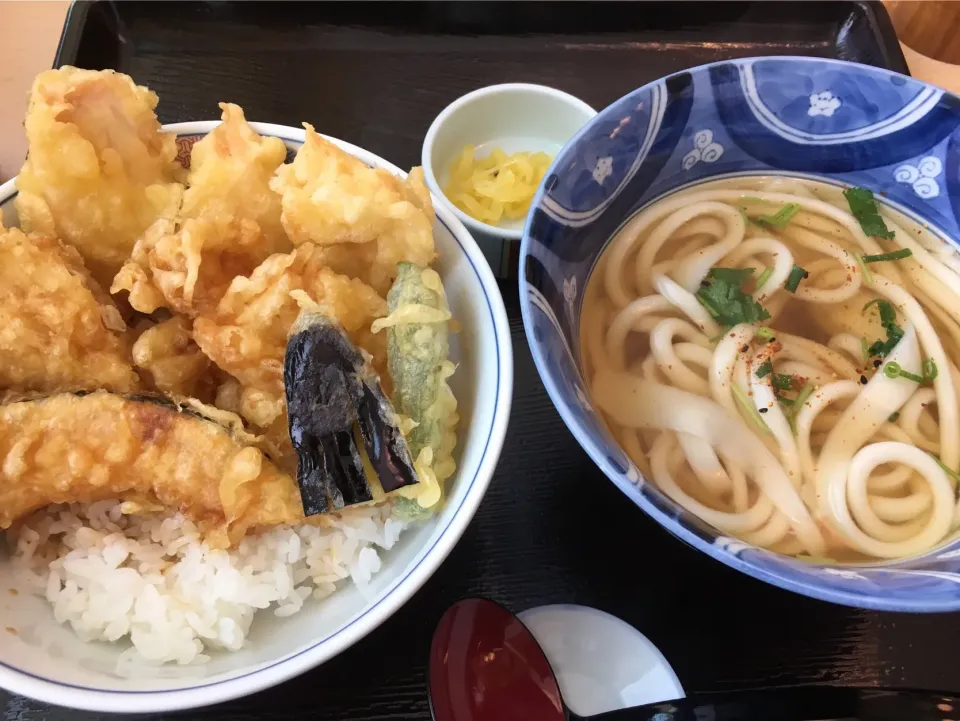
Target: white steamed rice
point(151, 579)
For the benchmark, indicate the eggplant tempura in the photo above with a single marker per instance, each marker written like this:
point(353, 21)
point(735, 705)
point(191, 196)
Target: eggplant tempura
point(345, 431)
point(247, 337)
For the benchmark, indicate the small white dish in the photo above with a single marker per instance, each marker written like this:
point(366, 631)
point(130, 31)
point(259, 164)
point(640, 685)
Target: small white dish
point(514, 117)
point(44, 660)
point(601, 662)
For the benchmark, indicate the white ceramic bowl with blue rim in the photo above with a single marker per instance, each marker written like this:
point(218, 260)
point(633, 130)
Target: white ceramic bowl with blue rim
point(47, 662)
point(827, 120)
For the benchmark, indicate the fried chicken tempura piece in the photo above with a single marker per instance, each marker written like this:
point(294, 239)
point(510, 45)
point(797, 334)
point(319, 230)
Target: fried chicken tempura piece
point(58, 329)
point(99, 169)
point(71, 449)
point(226, 223)
point(332, 198)
point(248, 335)
point(175, 363)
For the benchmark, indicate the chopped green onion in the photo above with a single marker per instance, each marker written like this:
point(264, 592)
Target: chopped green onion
point(793, 280)
point(867, 277)
point(788, 402)
point(797, 404)
point(888, 319)
point(804, 394)
point(746, 218)
point(888, 314)
point(764, 369)
point(954, 476)
point(864, 209)
point(883, 348)
point(894, 416)
point(764, 333)
point(764, 277)
point(782, 381)
point(895, 255)
point(892, 370)
point(895, 370)
point(748, 409)
point(781, 218)
point(865, 349)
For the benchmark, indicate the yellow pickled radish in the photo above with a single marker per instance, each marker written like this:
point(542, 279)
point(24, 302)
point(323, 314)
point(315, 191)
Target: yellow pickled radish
point(497, 186)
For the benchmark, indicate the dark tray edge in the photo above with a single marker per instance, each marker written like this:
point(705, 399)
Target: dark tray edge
point(883, 28)
point(75, 25)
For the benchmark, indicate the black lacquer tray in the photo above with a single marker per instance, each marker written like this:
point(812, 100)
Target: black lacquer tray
point(552, 528)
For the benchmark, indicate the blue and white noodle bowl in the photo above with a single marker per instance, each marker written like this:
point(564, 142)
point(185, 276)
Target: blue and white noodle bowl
point(819, 121)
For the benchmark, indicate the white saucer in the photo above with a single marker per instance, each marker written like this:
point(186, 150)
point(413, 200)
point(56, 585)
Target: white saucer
point(601, 662)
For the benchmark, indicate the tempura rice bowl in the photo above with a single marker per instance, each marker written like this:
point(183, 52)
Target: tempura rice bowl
point(828, 121)
point(368, 564)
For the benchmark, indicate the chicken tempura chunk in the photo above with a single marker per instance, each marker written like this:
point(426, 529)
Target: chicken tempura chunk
point(332, 198)
point(99, 169)
point(226, 223)
point(248, 335)
point(58, 329)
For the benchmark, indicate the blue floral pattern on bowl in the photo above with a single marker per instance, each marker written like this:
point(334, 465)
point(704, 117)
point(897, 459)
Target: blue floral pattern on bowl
point(838, 122)
point(805, 104)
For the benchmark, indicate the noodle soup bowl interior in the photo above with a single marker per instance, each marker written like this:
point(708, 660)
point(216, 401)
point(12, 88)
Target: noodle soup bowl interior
point(668, 182)
point(47, 661)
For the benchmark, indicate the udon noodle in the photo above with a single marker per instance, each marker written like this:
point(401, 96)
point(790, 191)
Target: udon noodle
point(775, 377)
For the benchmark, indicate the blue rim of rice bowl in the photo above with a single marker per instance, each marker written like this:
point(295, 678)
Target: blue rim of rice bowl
point(384, 595)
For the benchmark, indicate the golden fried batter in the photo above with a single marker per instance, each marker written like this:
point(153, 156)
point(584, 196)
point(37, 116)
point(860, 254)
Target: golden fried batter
point(226, 223)
point(274, 439)
point(248, 335)
point(354, 260)
point(73, 449)
point(58, 329)
point(275, 442)
point(331, 198)
point(99, 169)
point(175, 363)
